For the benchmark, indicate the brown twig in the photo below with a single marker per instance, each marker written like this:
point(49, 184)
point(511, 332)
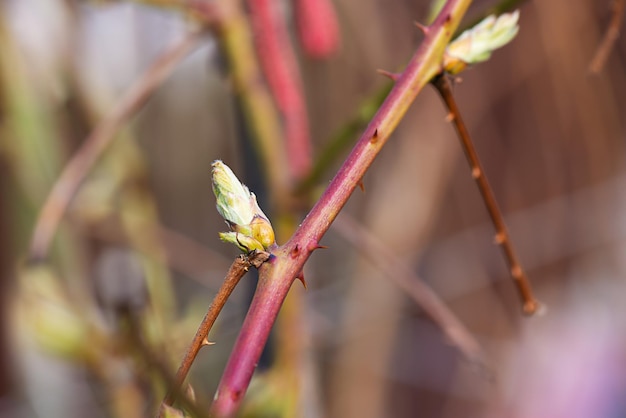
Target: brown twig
point(502, 238)
point(610, 36)
point(398, 272)
point(238, 268)
point(94, 145)
point(155, 362)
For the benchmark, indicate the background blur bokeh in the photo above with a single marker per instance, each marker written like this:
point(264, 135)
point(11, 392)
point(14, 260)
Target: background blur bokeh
point(137, 259)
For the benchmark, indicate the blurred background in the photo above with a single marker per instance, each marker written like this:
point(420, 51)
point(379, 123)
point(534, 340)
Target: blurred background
point(96, 326)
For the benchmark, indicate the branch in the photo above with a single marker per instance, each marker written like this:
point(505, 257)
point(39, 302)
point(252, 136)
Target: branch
point(95, 144)
point(610, 37)
point(237, 270)
point(341, 140)
point(398, 272)
point(502, 238)
point(286, 263)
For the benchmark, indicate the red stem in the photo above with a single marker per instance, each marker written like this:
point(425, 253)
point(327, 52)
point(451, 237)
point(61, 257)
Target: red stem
point(280, 67)
point(318, 29)
point(277, 275)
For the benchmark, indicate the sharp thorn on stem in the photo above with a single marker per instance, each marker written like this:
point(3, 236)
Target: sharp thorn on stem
point(206, 342)
point(389, 74)
point(425, 29)
point(314, 245)
point(375, 137)
point(301, 278)
point(294, 253)
point(361, 186)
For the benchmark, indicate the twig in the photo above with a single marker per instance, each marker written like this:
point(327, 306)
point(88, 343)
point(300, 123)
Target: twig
point(155, 362)
point(94, 145)
point(277, 275)
point(502, 238)
point(398, 272)
point(237, 270)
point(610, 36)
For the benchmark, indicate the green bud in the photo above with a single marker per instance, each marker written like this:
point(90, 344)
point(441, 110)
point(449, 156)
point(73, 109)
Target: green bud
point(234, 200)
point(476, 44)
point(262, 231)
point(250, 228)
point(244, 242)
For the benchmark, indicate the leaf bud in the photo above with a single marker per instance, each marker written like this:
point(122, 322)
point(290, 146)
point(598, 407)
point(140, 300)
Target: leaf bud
point(250, 228)
point(477, 44)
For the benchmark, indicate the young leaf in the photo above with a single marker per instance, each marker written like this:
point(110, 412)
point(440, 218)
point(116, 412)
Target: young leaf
point(476, 44)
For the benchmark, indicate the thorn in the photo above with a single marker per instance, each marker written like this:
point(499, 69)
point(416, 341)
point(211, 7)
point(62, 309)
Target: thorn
point(294, 253)
point(450, 117)
point(388, 74)
point(191, 394)
point(374, 138)
point(362, 186)
point(425, 29)
point(314, 245)
point(301, 278)
point(207, 342)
